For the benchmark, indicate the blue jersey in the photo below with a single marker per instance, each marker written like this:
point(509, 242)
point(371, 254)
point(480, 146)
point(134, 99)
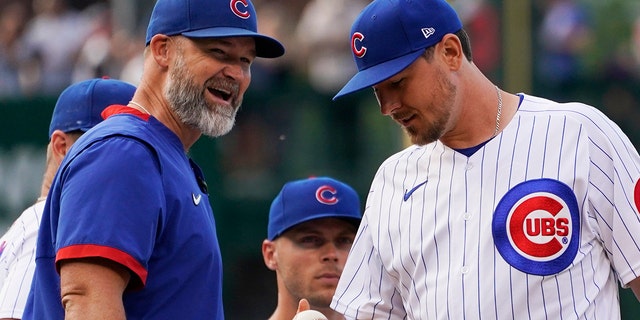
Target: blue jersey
point(127, 192)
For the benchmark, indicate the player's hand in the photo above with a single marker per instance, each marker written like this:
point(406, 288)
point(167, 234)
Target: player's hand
point(303, 305)
point(305, 313)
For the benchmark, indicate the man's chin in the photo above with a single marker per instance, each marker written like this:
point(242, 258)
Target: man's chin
point(417, 139)
point(320, 302)
point(216, 127)
point(322, 297)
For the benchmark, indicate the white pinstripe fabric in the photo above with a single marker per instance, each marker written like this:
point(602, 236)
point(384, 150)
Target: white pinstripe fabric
point(17, 261)
point(434, 257)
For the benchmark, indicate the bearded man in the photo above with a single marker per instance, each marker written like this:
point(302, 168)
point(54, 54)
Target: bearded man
point(128, 231)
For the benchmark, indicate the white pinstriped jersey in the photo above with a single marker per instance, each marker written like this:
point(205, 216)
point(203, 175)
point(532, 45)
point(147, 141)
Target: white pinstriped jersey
point(17, 261)
point(540, 223)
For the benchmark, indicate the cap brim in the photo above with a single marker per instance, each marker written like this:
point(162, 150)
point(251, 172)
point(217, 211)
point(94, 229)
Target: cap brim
point(378, 73)
point(351, 219)
point(266, 47)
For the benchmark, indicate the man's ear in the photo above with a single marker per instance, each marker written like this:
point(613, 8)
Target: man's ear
point(159, 48)
point(451, 49)
point(268, 254)
point(60, 143)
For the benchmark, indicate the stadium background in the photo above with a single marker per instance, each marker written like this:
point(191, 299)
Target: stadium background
point(288, 129)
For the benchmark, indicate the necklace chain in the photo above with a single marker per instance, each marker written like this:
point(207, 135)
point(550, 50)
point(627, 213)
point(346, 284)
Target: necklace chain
point(499, 111)
point(139, 106)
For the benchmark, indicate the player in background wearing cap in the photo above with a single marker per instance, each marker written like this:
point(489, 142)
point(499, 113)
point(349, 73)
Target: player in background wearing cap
point(312, 223)
point(128, 230)
point(77, 110)
point(507, 206)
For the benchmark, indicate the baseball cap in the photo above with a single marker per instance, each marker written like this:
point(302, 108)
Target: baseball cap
point(314, 198)
point(389, 35)
point(79, 105)
point(211, 19)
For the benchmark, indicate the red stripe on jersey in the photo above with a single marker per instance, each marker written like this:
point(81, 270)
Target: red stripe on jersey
point(117, 109)
point(113, 254)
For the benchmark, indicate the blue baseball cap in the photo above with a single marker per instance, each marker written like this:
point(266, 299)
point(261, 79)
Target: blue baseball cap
point(79, 106)
point(314, 198)
point(389, 35)
point(211, 19)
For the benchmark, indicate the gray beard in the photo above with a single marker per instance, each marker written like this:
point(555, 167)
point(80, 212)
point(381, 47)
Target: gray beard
point(188, 102)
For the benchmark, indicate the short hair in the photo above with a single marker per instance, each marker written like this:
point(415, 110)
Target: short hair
point(464, 40)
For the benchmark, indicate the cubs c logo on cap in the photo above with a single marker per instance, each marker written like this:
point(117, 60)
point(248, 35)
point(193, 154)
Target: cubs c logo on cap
point(239, 12)
point(536, 227)
point(326, 195)
point(356, 40)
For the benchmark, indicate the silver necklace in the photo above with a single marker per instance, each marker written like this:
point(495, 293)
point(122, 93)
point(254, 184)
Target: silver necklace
point(499, 112)
point(139, 106)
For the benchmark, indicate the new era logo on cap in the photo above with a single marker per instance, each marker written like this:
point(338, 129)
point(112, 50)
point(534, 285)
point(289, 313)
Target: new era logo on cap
point(389, 35)
point(428, 32)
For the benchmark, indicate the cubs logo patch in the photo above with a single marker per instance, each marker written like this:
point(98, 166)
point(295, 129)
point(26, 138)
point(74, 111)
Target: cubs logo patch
point(239, 8)
point(327, 195)
point(356, 45)
point(536, 227)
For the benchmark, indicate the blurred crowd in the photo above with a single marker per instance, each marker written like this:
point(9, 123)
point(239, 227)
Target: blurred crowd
point(47, 44)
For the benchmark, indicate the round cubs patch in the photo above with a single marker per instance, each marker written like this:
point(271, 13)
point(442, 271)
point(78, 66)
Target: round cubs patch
point(536, 227)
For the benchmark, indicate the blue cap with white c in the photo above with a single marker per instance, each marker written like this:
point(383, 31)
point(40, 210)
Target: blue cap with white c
point(314, 198)
point(389, 35)
point(211, 19)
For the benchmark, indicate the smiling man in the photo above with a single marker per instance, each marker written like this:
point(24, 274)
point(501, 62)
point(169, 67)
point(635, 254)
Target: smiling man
point(312, 223)
point(128, 230)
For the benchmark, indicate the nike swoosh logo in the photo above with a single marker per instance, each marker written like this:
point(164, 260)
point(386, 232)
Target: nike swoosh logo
point(408, 193)
point(196, 199)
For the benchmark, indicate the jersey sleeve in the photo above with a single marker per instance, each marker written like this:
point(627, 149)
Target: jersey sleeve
point(17, 261)
point(614, 197)
point(365, 289)
point(111, 205)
